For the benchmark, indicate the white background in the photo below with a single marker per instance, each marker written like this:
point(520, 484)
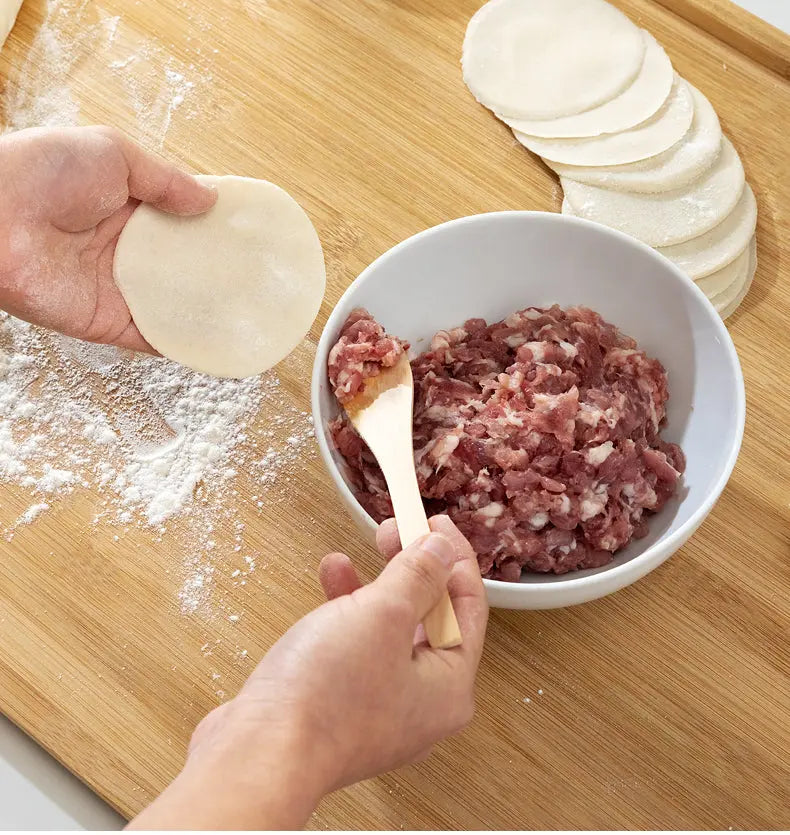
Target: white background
point(35, 792)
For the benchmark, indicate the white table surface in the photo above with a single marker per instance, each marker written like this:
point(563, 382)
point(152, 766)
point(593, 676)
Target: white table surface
point(36, 792)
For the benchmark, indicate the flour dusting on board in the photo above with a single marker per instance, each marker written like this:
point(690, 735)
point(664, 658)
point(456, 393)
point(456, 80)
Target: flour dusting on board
point(39, 95)
point(78, 37)
point(154, 439)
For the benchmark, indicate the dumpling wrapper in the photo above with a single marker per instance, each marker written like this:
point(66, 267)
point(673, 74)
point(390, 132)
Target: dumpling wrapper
point(728, 301)
point(711, 252)
point(647, 139)
point(670, 217)
point(543, 59)
point(717, 283)
point(637, 103)
point(676, 167)
point(230, 292)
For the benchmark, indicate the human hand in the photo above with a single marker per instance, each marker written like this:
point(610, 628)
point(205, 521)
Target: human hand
point(350, 691)
point(66, 196)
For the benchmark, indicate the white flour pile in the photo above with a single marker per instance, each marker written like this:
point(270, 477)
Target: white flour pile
point(157, 440)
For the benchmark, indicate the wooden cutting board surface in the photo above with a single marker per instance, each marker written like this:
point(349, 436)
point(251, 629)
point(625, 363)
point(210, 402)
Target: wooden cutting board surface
point(665, 705)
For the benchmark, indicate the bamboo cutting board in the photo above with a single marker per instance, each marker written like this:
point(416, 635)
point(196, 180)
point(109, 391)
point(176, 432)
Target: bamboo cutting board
point(665, 705)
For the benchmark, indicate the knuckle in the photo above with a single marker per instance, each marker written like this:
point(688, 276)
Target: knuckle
point(167, 187)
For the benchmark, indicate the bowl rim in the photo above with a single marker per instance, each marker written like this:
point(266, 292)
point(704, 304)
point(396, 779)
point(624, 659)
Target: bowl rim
point(606, 577)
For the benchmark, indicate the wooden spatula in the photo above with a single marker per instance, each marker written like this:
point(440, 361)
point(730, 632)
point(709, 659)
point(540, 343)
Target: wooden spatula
point(382, 414)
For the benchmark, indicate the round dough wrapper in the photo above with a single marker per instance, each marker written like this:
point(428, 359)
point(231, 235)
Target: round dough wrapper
point(658, 133)
point(674, 168)
point(543, 59)
point(736, 303)
point(717, 248)
point(716, 283)
point(230, 292)
point(635, 104)
point(9, 9)
point(670, 217)
point(726, 301)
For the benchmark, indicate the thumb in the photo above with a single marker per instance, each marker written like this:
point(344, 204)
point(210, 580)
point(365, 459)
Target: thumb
point(419, 574)
point(167, 188)
point(184, 195)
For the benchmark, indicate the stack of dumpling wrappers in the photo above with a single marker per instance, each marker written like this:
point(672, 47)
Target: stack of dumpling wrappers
point(636, 147)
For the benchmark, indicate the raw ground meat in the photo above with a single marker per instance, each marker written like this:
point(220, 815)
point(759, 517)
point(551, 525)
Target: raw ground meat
point(360, 353)
point(538, 435)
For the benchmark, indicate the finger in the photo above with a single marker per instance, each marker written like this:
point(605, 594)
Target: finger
point(465, 585)
point(387, 539)
point(466, 590)
point(338, 576)
point(155, 181)
point(418, 575)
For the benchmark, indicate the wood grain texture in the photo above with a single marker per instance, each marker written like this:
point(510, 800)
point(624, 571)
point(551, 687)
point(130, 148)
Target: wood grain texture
point(739, 28)
point(665, 705)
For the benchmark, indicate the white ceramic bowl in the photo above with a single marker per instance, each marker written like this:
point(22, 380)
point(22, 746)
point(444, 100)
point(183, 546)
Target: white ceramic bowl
point(491, 265)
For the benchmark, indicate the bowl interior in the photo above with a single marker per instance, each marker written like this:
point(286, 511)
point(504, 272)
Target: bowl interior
point(491, 265)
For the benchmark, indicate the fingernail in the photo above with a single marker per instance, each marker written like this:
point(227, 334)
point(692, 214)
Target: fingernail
point(441, 547)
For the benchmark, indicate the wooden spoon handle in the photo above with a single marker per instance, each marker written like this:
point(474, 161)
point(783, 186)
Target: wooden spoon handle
point(441, 626)
point(382, 414)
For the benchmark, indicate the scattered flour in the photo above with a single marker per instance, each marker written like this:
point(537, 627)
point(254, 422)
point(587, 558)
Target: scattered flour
point(157, 441)
point(32, 513)
point(156, 85)
point(196, 589)
point(78, 38)
point(40, 93)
